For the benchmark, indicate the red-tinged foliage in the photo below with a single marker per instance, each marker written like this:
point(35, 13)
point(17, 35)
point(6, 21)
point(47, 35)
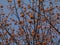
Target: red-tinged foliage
point(31, 22)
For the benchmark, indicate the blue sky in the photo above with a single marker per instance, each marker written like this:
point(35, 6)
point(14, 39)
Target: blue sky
point(6, 11)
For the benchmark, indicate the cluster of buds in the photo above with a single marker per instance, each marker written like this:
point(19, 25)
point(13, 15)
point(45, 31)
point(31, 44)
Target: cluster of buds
point(38, 15)
point(30, 21)
point(22, 14)
point(27, 12)
point(44, 43)
point(38, 27)
point(33, 33)
point(21, 32)
point(6, 41)
point(31, 16)
point(1, 6)
point(37, 36)
point(29, 6)
point(36, 20)
point(38, 43)
point(21, 22)
point(41, 0)
point(9, 0)
point(44, 19)
point(24, 9)
point(19, 2)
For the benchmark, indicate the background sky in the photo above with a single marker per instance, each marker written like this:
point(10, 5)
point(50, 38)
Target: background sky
point(6, 11)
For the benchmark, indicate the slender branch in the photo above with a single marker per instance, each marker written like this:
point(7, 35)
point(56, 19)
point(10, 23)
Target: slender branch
point(45, 18)
point(16, 11)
